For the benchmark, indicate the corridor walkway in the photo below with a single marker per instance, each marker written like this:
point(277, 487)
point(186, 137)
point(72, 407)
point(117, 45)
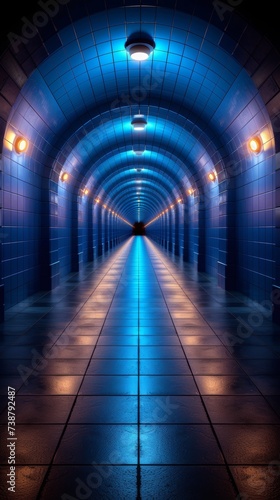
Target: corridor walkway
point(140, 379)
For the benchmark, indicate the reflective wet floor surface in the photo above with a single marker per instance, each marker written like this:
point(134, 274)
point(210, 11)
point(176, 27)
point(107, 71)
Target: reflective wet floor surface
point(141, 379)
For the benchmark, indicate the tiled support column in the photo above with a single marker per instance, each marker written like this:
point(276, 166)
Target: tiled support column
point(180, 237)
point(114, 230)
point(90, 230)
point(106, 230)
point(227, 236)
point(201, 238)
point(186, 255)
point(2, 303)
point(116, 226)
point(176, 229)
point(166, 229)
point(74, 235)
point(110, 230)
point(95, 212)
point(162, 233)
point(100, 231)
point(276, 287)
point(51, 277)
point(2, 306)
point(170, 230)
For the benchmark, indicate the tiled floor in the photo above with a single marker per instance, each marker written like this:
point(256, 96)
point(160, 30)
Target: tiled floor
point(140, 379)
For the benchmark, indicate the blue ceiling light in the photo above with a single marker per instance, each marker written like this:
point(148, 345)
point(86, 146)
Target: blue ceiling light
point(140, 48)
point(138, 152)
point(139, 122)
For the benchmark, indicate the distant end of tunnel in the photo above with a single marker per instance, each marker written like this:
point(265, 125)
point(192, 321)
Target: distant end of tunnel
point(139, 229)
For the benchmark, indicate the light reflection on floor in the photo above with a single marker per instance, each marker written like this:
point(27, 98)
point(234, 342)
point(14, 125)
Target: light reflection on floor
point(128, 386)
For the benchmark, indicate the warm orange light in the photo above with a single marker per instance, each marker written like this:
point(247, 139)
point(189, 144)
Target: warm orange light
point(190, 191)
point(64, 176)
point(20, 144)
point(212, 176)
point(255, 144)
point(97, 200)
point(179, 201)
point(86, 191)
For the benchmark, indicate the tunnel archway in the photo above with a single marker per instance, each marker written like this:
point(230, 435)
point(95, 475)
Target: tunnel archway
point(80, 122)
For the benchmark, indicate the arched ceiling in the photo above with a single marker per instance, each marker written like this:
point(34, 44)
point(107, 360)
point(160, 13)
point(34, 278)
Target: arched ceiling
point(80, 91)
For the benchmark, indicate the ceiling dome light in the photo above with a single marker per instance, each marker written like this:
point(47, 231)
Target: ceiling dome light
point(20, 144)
point(139, 123)
point(138, 152)
point(255, 145)
point(140, 50)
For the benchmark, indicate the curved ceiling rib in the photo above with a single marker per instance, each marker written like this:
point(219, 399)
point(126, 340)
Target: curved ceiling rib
point(77, 105)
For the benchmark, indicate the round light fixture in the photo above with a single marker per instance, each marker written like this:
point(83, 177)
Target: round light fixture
point(212, 176)
point(20, 144)
point(64, 176)
point(140, 50)
point(139, 123)
point(138, 152)
point(255, 144)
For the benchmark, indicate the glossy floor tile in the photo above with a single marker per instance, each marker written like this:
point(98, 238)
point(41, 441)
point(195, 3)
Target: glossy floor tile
point(136, 380)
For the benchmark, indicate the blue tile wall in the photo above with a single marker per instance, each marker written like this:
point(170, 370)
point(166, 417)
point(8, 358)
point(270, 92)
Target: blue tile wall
point(21, 226)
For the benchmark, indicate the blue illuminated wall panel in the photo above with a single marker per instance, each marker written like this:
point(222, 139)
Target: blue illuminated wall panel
point(255, 202)
point(21, 199)
point(212, 231)
point(64, 224)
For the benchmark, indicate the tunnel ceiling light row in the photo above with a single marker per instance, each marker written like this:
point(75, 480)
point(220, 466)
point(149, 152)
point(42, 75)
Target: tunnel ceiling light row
point(113, 212)
point(64, 176)
point(178, 201)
